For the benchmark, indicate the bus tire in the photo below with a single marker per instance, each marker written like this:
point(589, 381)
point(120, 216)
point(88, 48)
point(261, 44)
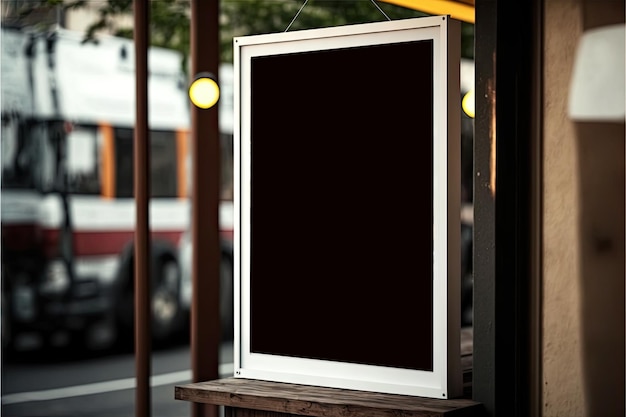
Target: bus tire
point(165, 303)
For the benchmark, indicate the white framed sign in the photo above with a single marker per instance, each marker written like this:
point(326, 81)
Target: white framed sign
point(347, 207)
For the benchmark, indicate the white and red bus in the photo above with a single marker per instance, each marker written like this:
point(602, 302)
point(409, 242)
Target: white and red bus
point(68, 212)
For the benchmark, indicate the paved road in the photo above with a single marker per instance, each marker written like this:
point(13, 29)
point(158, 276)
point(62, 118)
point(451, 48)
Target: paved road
point(96, 385)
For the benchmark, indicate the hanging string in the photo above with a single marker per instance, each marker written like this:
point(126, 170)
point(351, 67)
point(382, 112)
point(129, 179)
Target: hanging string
point(380, 10)
point(306, 1)
point(297, 14)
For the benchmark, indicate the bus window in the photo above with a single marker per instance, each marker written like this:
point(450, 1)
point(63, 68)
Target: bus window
point(164, 166)
point(82, 161)
point(46, 169)
point(17, 156)
point(124, 176)
point(28, 156)
point(163, 161)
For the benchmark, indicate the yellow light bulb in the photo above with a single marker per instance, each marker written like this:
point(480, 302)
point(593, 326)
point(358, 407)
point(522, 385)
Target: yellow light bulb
point(204, 92)
point(468, 103)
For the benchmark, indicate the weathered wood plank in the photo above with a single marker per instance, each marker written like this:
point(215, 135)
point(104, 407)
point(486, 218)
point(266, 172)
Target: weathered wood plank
point(305, 400)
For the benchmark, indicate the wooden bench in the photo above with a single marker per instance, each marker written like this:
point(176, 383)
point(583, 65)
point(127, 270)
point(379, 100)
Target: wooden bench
point(255, 398)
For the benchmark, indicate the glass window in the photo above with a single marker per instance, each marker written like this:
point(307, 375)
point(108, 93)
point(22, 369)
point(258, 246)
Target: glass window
point(82, 161)
point(163, 161)
point(17, 156)
point(46, 168)
point(124, 177)
point(164, 164)
point(29, 155)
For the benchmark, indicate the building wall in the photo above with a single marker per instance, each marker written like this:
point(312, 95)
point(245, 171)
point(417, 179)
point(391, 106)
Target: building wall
point(562, 373)
point(80, 19)
point(583, 231)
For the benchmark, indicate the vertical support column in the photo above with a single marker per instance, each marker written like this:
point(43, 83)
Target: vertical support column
point(142, 198)
point(504, 205)
point(205, 317)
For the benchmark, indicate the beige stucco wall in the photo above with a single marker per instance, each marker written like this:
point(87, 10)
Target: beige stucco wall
point(562, 373)
point(583, 231)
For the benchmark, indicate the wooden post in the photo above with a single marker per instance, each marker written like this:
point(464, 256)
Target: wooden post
point(205, 320)
point(142, 228)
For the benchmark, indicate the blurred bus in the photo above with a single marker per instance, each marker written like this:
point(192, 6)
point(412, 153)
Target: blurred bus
point(68, 212)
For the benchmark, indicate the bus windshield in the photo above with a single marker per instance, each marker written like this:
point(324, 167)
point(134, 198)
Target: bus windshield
point(19, 156)
point(45, 157)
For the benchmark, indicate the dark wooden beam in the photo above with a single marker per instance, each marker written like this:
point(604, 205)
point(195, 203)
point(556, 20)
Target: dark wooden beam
point(142, 199)
point(205, 320)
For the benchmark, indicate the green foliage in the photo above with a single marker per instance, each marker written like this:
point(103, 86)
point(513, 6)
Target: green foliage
point(169, 23)
point(169, 19)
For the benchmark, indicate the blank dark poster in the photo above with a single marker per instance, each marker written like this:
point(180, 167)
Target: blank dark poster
point(341, 205)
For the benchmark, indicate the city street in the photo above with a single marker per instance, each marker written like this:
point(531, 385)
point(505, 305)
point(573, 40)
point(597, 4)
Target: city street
point(93, 385)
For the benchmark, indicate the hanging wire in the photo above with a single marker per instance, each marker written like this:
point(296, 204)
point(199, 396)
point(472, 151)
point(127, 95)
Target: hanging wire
point(306, 1)
point(297, 14)
point(380, 10)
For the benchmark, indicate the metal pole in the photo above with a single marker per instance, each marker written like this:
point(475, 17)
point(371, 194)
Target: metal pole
point(205, 323)
point(142, 230)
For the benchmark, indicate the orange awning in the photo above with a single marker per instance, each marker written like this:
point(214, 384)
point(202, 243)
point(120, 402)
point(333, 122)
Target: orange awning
point(457, 9)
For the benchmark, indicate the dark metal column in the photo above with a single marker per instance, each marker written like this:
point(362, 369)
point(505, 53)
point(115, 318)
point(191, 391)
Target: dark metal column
point(505, 206)
point(205, 323)
point(142, 228)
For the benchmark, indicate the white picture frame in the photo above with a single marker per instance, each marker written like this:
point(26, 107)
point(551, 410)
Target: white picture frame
point(443, 378)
